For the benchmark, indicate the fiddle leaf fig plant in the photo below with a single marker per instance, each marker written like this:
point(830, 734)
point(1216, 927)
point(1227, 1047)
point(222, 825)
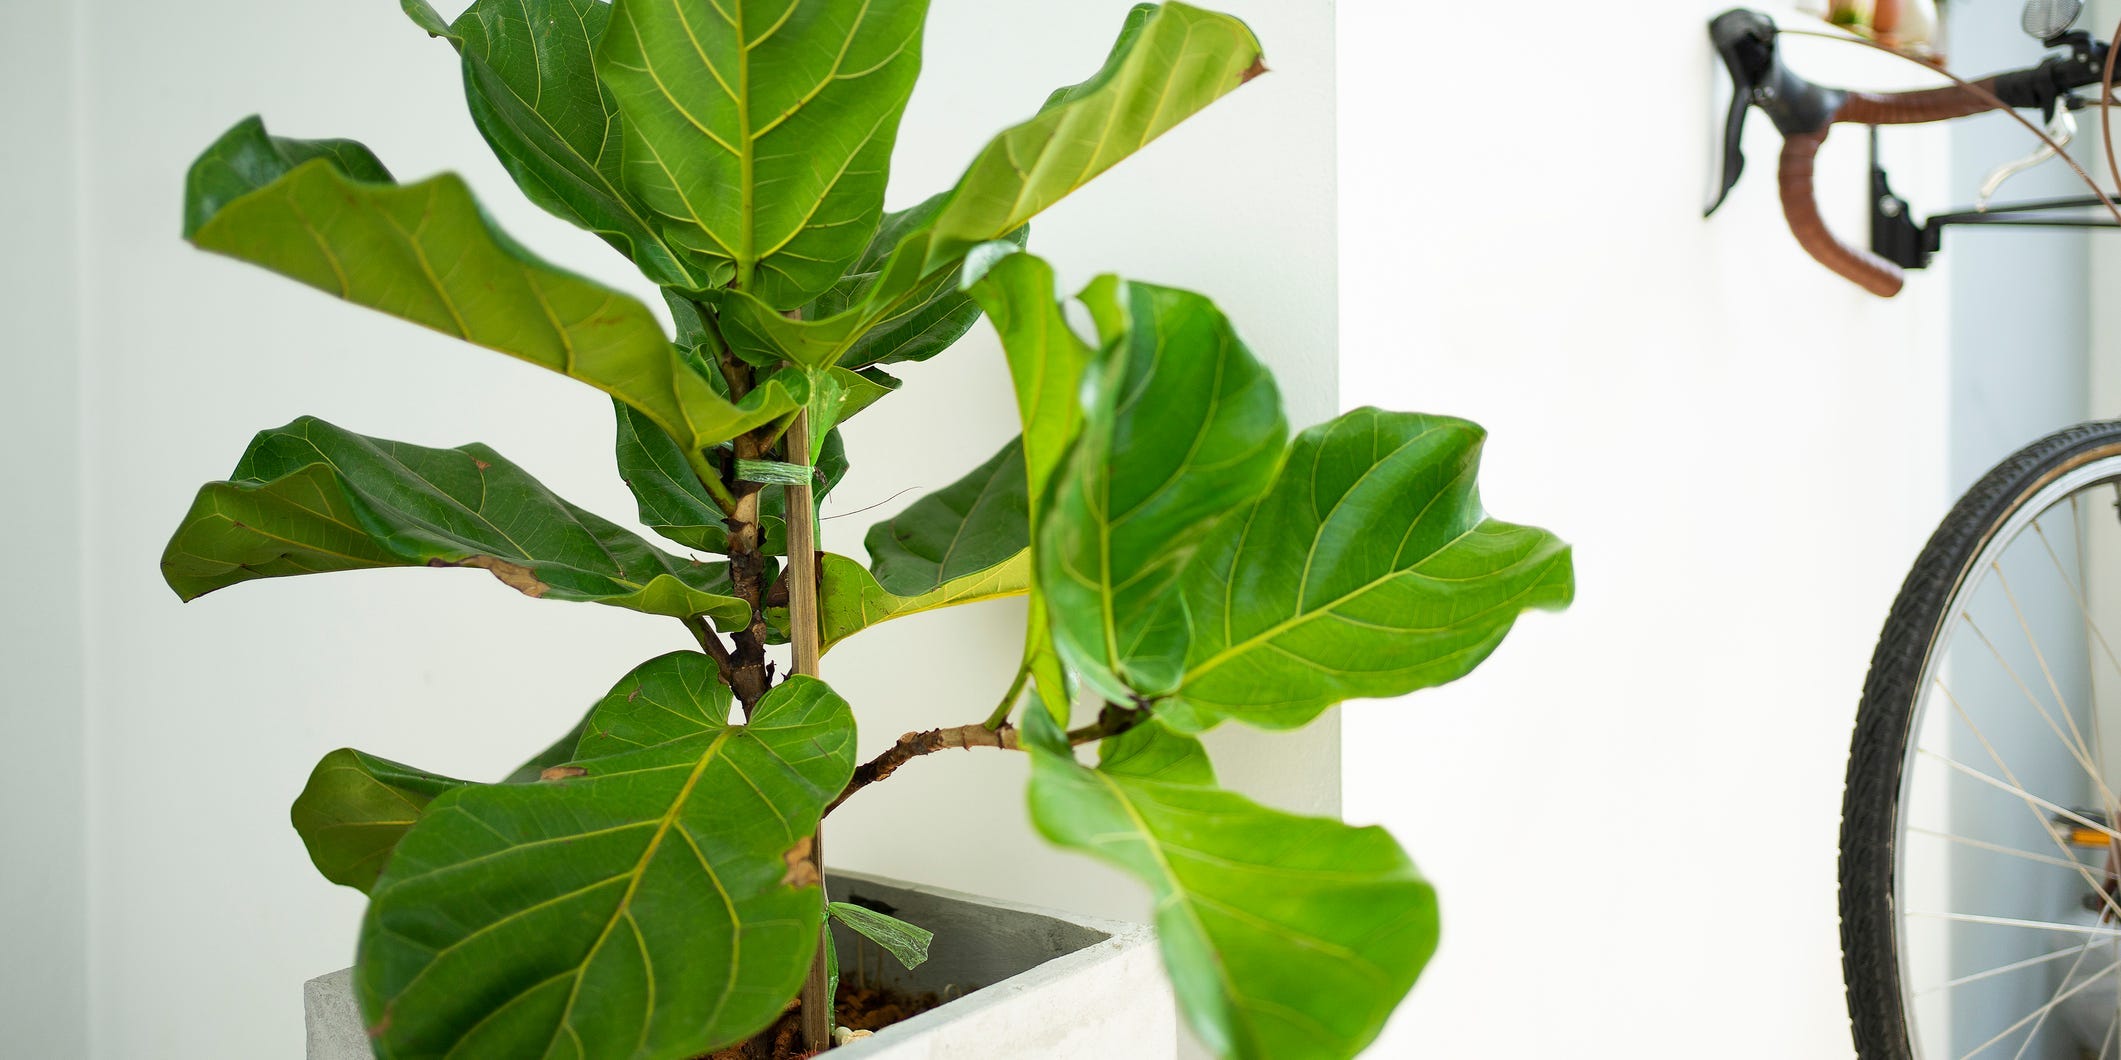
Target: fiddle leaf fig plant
point(649, 885)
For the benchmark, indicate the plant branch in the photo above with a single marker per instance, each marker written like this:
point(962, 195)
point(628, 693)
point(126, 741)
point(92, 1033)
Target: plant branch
point(747, 575)
point(747, 579)
point(1008, 703)
point(711, 643)
point(915, 744)
point(712, 480)
point(749, 675)
point(734, 373)
point(1114, 719)
point(779, 429)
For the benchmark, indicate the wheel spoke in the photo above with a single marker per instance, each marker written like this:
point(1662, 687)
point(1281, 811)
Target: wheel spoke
point(2043, 1010)
point(2098, 886)
point(2016, 922)
point(2076, 748)
point(2092, 766)
point(2009, 851)
point(2028, 796)
point(2092, 631)
point(2006, 969)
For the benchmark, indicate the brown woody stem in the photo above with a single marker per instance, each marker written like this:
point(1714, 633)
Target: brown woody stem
point(711, 643)
point(1111, 721)
point(747, 575)
point(734, 371)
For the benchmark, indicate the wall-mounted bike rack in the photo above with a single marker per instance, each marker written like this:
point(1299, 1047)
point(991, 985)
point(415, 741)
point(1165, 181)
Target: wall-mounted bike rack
point(1897, 237)
point(1804, 113)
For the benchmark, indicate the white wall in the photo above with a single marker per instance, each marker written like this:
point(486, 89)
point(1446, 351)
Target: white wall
point(1631, 811)
point(44, 980)
point(204, 912)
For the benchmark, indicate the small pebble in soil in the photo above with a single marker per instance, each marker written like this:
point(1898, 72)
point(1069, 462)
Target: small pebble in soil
point(866, 1010)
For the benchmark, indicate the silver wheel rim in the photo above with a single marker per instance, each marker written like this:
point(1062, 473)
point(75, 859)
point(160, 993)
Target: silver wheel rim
point(1966, 973)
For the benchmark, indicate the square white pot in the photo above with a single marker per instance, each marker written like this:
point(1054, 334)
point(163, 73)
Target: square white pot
point(1024, 981)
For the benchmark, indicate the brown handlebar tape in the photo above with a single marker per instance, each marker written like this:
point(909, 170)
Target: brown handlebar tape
point(1861, 267)
point(1799, 152)
point(1915, 108)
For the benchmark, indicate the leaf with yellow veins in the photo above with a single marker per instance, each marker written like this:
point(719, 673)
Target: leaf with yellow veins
point(850, 600)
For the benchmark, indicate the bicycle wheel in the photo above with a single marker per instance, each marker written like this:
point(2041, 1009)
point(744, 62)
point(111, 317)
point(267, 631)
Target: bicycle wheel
point(1978, 841)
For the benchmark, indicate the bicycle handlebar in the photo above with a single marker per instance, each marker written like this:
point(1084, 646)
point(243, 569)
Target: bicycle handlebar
point(1800, 203)
point(1804, 113)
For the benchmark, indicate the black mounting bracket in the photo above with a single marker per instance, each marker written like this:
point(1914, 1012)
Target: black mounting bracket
point(1897, 237)
point(1894, 234)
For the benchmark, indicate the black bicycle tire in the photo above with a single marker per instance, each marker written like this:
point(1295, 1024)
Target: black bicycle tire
point(1871, 801)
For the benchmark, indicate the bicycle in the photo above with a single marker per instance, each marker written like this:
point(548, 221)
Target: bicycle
point(1980, 872)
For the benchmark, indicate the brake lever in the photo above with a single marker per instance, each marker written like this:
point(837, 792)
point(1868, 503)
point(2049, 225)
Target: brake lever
point(2061, 129)
point(1725, 34)
point(1745, 41)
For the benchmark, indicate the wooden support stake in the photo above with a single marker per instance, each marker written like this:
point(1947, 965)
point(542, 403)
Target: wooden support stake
point(801, 518)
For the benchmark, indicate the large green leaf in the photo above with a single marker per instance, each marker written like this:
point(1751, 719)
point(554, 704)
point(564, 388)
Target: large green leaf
point(850, 600)
point(1151, 751)
point(1368, 570)
point(1047, 361)
point(535, 97)
point(1284, 936)
point(926, 321)
point(673, 503)
point(1181, 425)
point(980, 521)
point(426, 253)
point(656, 904)
point(760, 132)
point(864, 387)
point(1169, 62)
point(247, 158)
point(356, 807)
point(557, 753)
point(310, 497)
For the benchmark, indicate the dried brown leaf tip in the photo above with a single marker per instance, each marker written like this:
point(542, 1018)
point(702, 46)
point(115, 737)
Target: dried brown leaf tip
point(802, 872)
point(562, 773)
point(1258, 67)
point(514, 575)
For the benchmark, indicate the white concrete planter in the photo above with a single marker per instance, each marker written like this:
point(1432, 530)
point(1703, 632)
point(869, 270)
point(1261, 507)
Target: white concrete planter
point(1024, 981)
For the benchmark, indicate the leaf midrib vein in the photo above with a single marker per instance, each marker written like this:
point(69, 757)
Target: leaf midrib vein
point(1179, 893)
point(640, 870)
